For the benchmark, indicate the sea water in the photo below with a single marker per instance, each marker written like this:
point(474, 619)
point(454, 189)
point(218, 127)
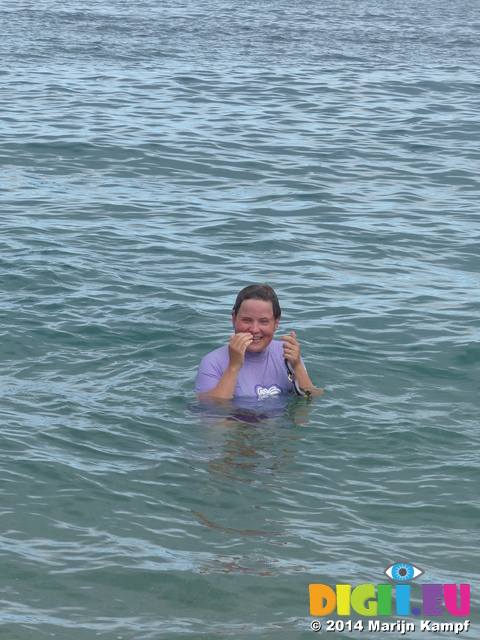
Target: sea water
point(156, 157)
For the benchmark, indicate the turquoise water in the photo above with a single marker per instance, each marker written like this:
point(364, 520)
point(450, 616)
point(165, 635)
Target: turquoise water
point(154, 159)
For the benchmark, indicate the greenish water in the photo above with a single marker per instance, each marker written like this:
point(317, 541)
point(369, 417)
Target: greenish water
point(154, 159)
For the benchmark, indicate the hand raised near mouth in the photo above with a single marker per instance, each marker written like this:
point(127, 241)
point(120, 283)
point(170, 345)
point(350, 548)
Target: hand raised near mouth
point(239, 343)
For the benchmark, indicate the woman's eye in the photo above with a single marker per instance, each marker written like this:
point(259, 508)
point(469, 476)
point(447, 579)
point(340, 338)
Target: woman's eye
point(403, 572)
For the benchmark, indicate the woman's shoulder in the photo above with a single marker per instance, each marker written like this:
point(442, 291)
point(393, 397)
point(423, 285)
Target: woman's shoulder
point(276, 348)
point(217, 355)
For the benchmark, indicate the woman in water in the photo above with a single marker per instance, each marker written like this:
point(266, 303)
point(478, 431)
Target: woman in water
point(254, 364)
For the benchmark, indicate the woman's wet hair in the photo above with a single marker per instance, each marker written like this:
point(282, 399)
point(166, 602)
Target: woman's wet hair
point(258, 292)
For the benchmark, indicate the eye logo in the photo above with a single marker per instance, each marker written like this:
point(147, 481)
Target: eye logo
point(403, 572)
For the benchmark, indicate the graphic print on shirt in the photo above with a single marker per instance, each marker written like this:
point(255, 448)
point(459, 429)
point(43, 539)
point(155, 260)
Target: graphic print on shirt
point(267, 392)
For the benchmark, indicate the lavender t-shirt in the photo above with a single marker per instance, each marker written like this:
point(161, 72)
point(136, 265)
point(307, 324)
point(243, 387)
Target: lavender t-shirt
point(262, 375)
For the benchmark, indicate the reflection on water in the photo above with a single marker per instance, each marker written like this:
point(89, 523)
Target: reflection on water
point(258, 445)
point(258, 436)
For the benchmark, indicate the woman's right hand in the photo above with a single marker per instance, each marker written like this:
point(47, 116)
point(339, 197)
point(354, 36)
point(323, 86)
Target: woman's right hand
point(239, 343)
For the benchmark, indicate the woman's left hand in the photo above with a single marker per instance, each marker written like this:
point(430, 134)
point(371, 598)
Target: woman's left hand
point(291, 349)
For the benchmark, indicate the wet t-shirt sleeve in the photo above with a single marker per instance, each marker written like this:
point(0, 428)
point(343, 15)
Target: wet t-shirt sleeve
point(211, 370)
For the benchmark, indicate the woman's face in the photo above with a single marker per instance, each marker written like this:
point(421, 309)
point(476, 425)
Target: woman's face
point(256, 317)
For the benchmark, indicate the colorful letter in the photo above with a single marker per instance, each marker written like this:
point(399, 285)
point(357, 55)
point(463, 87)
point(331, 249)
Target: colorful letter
point(384, 592)
point(450, 591)
point(432, 597)
point(322, 599)
point(364, 595)
point(343, 599)
point(402, 593)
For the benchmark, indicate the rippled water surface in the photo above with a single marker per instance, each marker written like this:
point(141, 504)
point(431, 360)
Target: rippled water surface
point(155, 157)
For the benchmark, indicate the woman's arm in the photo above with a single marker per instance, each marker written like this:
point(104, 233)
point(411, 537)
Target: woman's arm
point(225, 387)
